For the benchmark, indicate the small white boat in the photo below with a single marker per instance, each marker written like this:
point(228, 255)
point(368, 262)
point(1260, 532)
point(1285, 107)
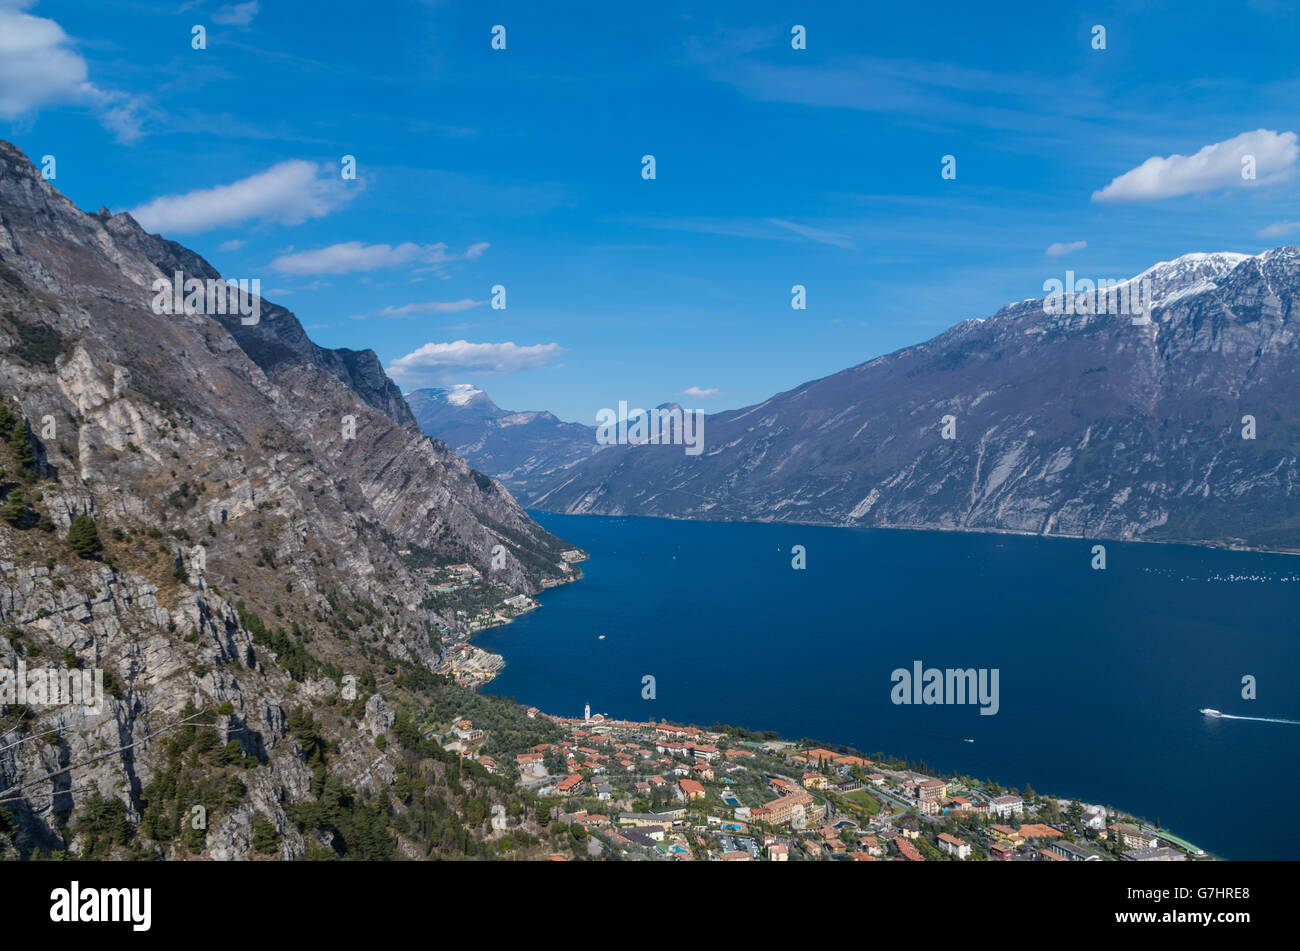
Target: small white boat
point(601, 638)
point(1209, 712)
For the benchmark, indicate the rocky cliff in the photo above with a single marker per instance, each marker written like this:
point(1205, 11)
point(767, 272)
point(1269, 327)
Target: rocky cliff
point(248, 496)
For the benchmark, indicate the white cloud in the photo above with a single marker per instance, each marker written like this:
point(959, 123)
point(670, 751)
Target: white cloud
point(763, 229)
point(236, 14)
point(443, 362)
point(814, 234)
point(431, 307)
point(355, 256)
point(426, 307)
point(1279, 229)
point(1215, 166)
point(120, 114)
point(700, 392)
point(311, 288)
point(234, 244)
point(348, 256)
point(286, 193)
point(1056, 249)
point(39, 68)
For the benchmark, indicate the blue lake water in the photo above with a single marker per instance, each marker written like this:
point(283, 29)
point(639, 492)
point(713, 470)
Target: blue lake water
point(1101, 673)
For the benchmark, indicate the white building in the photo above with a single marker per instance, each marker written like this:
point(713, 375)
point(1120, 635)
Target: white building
point(1004, 806)
point(953, 846)
point(1094, 817)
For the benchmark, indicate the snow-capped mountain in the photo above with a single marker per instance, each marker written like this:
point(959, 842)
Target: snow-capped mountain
point(1185, 428)
point(516, 448)
point(465, 394)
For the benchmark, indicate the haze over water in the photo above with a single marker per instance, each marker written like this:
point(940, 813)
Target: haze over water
point(1102, 672)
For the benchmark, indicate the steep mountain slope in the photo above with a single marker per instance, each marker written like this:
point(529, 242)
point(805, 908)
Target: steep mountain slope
point(419, 491)
point(277, 339)
point(225, 485)
point(1065, 424)
point(520, 449)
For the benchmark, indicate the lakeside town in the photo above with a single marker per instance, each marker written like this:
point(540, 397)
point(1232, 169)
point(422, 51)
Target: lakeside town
point(641, 791)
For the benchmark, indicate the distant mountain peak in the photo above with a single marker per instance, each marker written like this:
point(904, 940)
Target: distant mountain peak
point(1189, 273)
point(459, 398)
point(511, 445)
point(462, 394)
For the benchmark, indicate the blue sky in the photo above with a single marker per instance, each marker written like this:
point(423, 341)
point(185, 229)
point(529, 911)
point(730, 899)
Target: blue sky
point(522, 167)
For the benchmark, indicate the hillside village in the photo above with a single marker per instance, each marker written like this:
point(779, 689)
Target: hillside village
point(658, 791)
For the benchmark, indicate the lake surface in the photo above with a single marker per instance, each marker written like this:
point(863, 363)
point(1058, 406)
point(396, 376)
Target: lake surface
point(1101, 673)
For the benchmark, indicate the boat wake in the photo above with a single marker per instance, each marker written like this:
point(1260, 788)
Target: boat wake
point(1231, 716)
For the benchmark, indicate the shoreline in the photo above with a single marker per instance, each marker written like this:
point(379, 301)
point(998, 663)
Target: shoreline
point(468, 636)
point(1198, 854)
point(1199, 545)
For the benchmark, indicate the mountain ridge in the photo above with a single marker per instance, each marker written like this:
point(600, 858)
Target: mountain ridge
point(278, 337)
point(1085, 425)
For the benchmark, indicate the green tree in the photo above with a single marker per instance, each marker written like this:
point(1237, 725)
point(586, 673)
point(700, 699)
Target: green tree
point(265, 839)
point(83, 536)
point(14, 509)
point(194, 839)
point(20, 444)
point(103, 824)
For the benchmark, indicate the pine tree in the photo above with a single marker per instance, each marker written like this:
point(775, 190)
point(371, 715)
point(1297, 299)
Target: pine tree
point(265, 839)
point(83, 536)
point(20, 444)
point(15, 507)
